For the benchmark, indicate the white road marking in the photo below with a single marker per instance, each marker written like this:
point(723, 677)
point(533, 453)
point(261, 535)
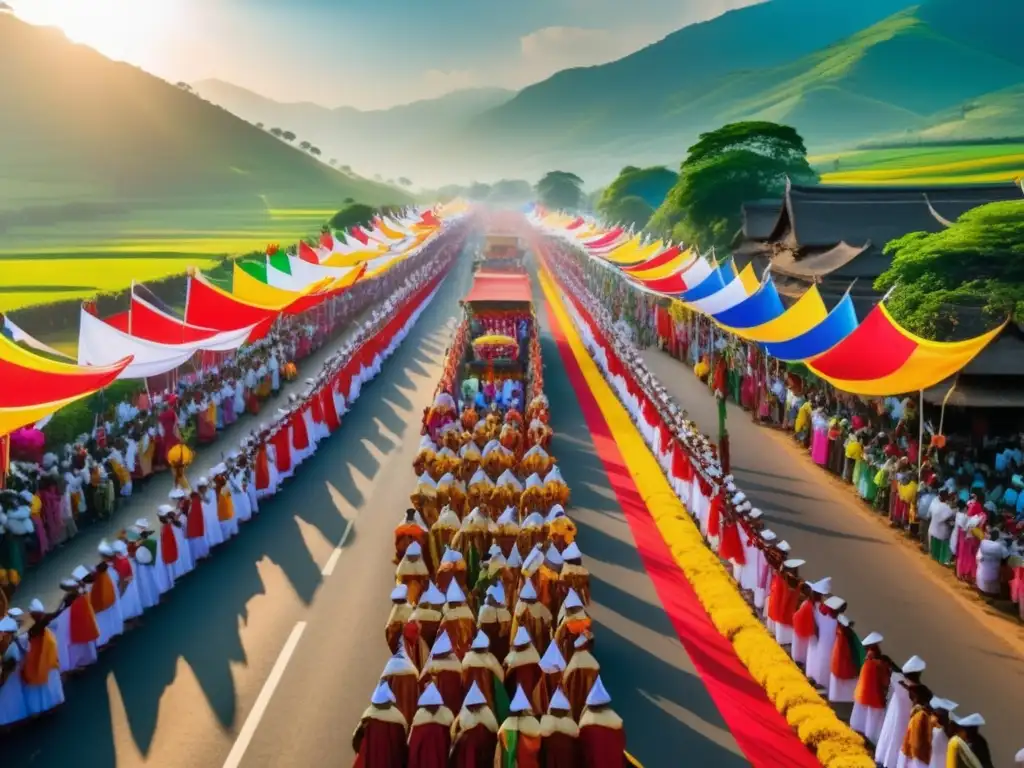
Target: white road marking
point(333, 559)
point(252, 722)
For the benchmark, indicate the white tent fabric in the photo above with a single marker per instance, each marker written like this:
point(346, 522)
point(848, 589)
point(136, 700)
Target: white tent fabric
point(719, 301)
point(102, 344)
point(303, 274)
point(15, 333)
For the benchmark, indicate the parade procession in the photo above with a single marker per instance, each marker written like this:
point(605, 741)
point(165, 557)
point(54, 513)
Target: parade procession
point(483, 533)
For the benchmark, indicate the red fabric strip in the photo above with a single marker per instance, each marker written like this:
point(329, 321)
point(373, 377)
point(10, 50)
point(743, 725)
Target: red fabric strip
point(874, 350)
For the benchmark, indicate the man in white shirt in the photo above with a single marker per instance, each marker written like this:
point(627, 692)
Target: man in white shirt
point(940, 528)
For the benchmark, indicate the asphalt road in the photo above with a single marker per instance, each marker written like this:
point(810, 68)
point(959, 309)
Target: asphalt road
point(267, 654)
point(975, 655)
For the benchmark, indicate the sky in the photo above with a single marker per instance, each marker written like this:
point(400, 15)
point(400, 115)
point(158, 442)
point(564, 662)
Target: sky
point(369, 54)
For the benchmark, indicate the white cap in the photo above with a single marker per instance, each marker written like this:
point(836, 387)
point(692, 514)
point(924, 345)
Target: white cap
point(794, 563)
point(7, 624)
point(177, 493)
point(783, 546)
point(822, 586)
point(430, 697)
point(143, 523)
point(494, 551)
point(15, 613)
point(755, 514)
point(105, 549)
point(580, 641)
point(1019, 757)
point(202, 481)
point(507, 517)
point(558, 701)
point(401, 592)
point(522, 637)
point(474, 696)
point(36, 606)
point(598, 696)
point(552, 660)
point(768, 535)
point(553, 555)
point(873, 639)
point(433, 595)
point(382, 695)
point(519, 702)
point(481, 642)
point(971, 721)
point(528, 592)
point(398, 664)
point(572, 552)
point(572, 600)
point(914, 664)
point(946, 704)
point(514, 559)
point(80, 573)
point(442, 645)
point(165, 509)
point(414, 549)
point(497, 591)
point(835, 602)
point(454, 594)
point(451, 556)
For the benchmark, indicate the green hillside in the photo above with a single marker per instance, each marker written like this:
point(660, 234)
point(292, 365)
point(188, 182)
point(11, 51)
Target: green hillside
point(992, 116)
point(111, 174)
point(841, 73)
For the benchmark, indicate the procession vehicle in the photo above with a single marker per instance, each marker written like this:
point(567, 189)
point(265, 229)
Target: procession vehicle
point(501, 252)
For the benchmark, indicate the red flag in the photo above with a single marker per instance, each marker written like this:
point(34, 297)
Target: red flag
point(307, 254)
point(326, 240)
point(359, 235)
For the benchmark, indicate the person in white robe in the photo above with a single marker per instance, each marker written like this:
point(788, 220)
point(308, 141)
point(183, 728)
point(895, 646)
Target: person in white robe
point(803, 647)
point(162, 573)
point(13, 708)
point(229, 527)
point(238, 393)
point(991, 554)
point(819, 654)
point(145, 573)
point(131, 602)
point(41, 698)
point(111, 620)
point(941, 730)
point(72, 655)
point(897, 713)
point(237, 483)
point(186, 563)
point(274, 366)
point(211, 523)
point(248, 475)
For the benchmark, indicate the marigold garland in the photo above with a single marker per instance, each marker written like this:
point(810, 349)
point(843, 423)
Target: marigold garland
point(833, 742)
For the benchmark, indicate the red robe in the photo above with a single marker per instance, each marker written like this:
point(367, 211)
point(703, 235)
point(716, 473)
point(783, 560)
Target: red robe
point(429, 743)
point(168, 544)
point(382, 744)
point(474, 748)
point(300, 435)
point(602, 747)
point(283, 449)
point(316, 409)
point(330, 412)
point(560, 750)
point(195, 526)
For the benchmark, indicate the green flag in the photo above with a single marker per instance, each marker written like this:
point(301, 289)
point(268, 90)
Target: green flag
point(501, 701)
point(510, 744)
point(280, 262)
point(257, 269)
point(473, 565)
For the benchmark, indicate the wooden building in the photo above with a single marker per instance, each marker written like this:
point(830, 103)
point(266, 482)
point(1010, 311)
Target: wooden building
point(834, 235)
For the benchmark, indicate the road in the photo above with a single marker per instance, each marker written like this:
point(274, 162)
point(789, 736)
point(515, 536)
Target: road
point(268, 653)
point(975, 655)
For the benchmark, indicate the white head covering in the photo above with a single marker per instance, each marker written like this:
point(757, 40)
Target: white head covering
point(559, 702)
point(946, 704)
point(572, 600)
point(80, 573)
point(433, 595)
point(442, 645)
point(382, 695)
point(414, 549)
point(553, 556)
point(105, 549)
point(514, 559)
point(598, 696)
point(528, 592)
point(520, 703)
point(36, 606)
point(7, 624)
point(971, 721)
point(481, 642)
point(451, 555)
point(400, 592)
point(873, 639)
point(399, 664)
point(430, 697)
point(914, 664)
point(552, 660)
point(455, 594)
point(822, 586)
point(474, 697)
point(522, 638)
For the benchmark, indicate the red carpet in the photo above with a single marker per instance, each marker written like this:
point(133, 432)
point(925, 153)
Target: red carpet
point(760, 731)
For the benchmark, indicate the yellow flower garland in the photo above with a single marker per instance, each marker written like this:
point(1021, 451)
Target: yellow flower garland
point(833, 742)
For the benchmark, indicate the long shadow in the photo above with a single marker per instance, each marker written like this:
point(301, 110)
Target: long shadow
point(738, 470)
point(752, 489)
point(771, 517)
point(199, 621)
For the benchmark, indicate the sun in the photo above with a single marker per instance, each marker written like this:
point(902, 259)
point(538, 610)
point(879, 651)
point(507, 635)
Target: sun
point(119, 29)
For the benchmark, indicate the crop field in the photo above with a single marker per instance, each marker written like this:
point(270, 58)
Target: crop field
point(78, 259)
point(951, 164)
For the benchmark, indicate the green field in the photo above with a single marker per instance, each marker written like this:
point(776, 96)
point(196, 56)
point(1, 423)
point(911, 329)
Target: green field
point(935, 164)
point(76, 260)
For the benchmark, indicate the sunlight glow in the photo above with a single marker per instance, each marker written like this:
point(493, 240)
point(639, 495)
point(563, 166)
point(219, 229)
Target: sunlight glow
point(120, 29)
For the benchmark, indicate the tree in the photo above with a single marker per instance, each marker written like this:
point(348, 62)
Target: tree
point(304, 145)
point(650, 185)
point(315, 151)
point(478, 191)
point(378, 177)
point(332, 162)
point(184, 86)
point(260, 126)
point(737, 163)
point(347, 168)
point(404, 181)
point(976, 263)
point(561, 190)
point(511, 191)
point(276, 132)
point(630, 211)
point(352, 215)
point(288, 136)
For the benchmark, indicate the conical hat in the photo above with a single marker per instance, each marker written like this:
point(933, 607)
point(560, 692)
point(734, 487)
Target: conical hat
point(598, 696)
point(520, 704)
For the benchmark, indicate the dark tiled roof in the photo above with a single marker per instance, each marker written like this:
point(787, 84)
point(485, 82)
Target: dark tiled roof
point(825, 215)
point(759, 218)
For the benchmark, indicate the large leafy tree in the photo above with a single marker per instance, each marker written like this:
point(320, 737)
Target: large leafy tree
point(650, 184)
point(631, 211)
point(976, 263)
point(511, 191)
point(352, 215)
point(724, 169)
point(561, 190)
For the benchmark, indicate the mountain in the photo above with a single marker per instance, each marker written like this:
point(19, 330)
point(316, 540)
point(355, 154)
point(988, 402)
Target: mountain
point(398, 141)
point(83, 130)
point(839, 72)
point(996, 115)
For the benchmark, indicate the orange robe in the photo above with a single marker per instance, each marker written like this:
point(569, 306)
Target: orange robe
point(42, 658)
